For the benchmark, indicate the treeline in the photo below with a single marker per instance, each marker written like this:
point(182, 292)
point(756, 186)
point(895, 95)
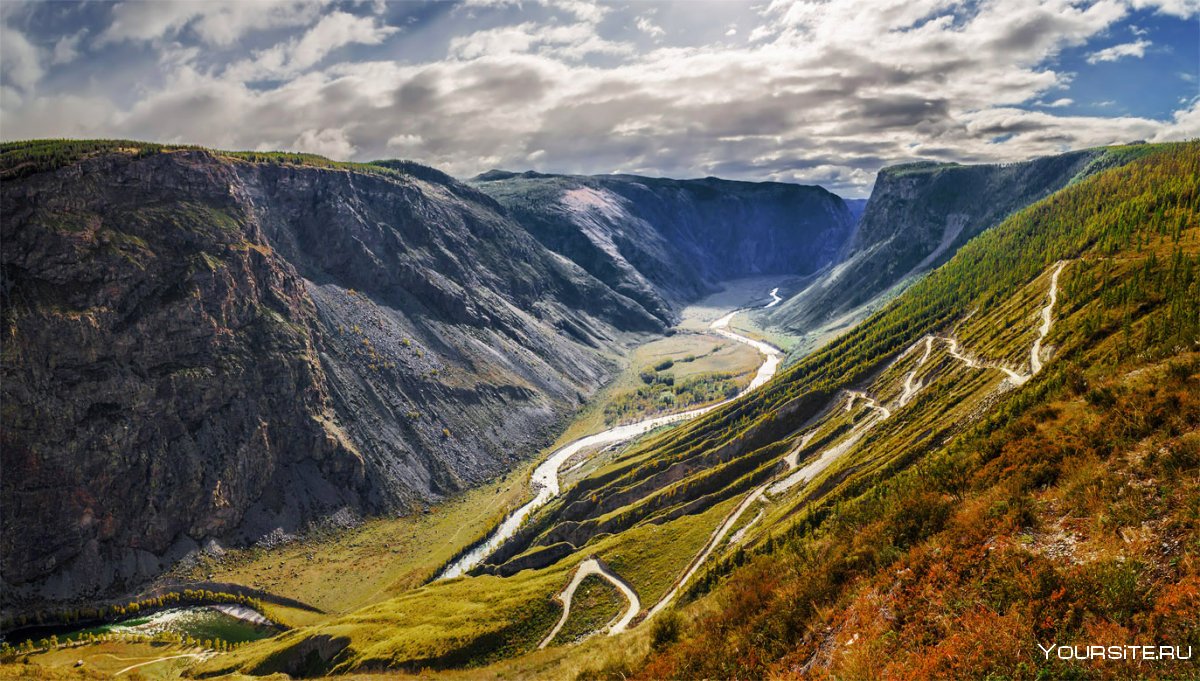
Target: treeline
point(1150, 203)
point(662, 392)
point(24, 158)
point(20, 159)
point(116, 611)
point(9, 653)
point(942, 546)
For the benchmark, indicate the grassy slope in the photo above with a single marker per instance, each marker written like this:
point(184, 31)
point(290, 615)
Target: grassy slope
point(596, 603)
point(1110, 225)
point(381, 559)
point(1001, 278)
point(1067, 514)
point(102, 660)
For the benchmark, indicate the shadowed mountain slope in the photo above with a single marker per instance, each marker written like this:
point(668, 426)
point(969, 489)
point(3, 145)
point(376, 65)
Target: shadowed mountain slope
point(220, 346)
point(662, 242)
point(923, 461)
point(918, 216)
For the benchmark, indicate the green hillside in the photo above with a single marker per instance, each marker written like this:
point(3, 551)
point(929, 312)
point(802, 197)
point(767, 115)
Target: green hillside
point(954, 541)
point(959, 484)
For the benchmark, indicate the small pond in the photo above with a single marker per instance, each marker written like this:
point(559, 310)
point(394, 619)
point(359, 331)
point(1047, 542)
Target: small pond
point(201, 622)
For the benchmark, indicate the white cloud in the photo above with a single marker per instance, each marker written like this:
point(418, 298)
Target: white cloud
point(1135, 49)
point(1060, 102)
point(1178, 8)
point(573, 41)
point(216, 22)
point(647, 26)
point(329, 142)
point(20, 60)
point(67, 48)
point(1186, 125)
point(583, 10)
point(405, 143)
point(294, 56)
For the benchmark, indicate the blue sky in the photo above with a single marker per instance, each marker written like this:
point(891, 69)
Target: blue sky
point(800, 91)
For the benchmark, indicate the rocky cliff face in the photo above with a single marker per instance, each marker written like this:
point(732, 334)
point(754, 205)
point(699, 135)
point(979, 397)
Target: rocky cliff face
point(661, 241)
point(202, 348)
point(916, 219)
point(160, 374)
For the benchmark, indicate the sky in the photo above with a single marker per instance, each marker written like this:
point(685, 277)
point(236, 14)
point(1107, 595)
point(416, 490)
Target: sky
point(795, 91)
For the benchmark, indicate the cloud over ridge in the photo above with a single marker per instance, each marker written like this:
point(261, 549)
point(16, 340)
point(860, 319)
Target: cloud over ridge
point(793, 91)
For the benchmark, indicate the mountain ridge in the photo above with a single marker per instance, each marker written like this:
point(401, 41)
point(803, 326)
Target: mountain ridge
point(905, 424)
point(918, 215)
point(440, 343)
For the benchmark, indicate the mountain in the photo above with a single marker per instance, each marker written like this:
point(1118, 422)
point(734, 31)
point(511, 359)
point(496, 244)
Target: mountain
point(206, 348)
point(663, 242)
point(917, 217)
point(989, 513)
point(1004, 455)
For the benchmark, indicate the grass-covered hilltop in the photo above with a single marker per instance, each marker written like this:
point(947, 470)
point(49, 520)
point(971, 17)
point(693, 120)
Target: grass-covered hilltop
point(1002, 456)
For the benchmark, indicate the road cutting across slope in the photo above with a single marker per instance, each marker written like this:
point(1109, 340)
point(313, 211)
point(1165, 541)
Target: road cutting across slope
point(587, 568)
point(545, 477)
point(827, 457)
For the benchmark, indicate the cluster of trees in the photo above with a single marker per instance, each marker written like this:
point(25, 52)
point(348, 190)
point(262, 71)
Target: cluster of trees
point(663, 392)
point(117, 611)
point(20, 159)
point(10, 652)
point(938, 566)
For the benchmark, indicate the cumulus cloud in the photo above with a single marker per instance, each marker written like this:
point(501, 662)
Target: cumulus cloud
point(647, 26)
point(572, 41)
point(216, 22)
point(294, 56)
point(20, 60)
point(1135, 49)
point(329, 142)
point(1177, 8)
point(823, 93)
point(584, 10)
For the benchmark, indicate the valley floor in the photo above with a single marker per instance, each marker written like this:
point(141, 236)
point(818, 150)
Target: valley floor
point(337, 572)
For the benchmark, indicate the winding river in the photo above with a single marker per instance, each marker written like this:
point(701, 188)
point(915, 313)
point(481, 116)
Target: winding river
point(545, 476)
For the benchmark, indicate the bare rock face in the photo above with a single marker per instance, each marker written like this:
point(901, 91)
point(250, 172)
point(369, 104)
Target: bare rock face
point(198, 348)
point(201, 348)
point(918, 216)
point(160, 374)
point(662, 242)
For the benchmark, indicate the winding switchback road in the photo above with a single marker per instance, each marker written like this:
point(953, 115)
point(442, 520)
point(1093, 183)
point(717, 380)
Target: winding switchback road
point(713, 542)
point(1035, 358)
point(911, 388)
point(1035, 352)
point(587, 568)
point(545, 476)
point(775, 299)
point(827, 457)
